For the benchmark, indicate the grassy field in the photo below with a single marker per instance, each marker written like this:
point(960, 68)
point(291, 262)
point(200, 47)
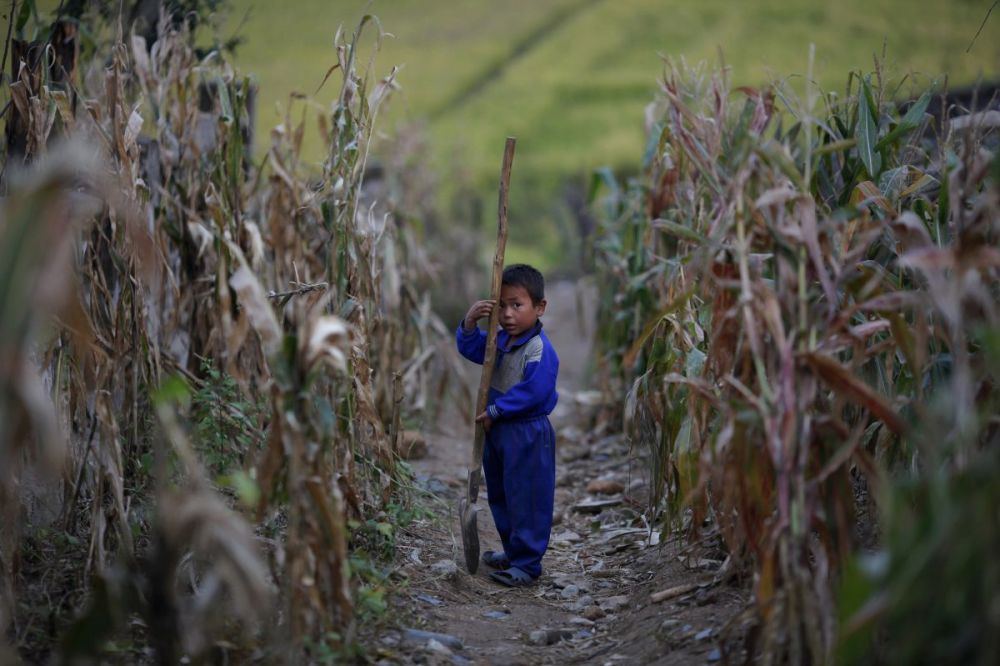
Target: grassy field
point(570, 78)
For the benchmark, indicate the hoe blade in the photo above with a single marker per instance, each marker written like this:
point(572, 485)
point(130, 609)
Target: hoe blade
point(470, 533)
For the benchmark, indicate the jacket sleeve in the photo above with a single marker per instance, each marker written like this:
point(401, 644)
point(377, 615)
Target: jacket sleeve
point(534, 390)
point(471, 344)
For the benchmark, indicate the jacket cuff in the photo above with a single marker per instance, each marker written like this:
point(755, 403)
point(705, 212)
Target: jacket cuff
point(468, 334)
point(493, 412)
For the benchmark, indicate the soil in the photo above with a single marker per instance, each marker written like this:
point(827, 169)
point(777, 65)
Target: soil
point(592, 604)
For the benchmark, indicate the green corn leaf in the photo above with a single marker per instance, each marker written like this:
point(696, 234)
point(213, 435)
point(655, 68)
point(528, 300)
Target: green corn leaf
point(944, 204)
point(173, 390)
point(679, 230)
point(776, 154)
point(225, 104)
point(836, 146)
point(654, 144)
point(602, 176)
point(866, 134)
point(910, 121)
point(27, 8)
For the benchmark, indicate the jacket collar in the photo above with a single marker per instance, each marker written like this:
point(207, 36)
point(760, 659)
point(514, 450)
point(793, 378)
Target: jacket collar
point(504, 340)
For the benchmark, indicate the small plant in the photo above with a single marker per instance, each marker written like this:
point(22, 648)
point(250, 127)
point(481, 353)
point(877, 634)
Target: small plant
point(228, 424)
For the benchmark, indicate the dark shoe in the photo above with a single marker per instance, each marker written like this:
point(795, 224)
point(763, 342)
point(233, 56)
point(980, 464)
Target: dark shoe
point(491, 558)
point(512, 577)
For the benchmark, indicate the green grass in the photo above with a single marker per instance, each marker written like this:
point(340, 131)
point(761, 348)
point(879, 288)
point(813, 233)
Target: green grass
point(570, 78)
point(574, 96)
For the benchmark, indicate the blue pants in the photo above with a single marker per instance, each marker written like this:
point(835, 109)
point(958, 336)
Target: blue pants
point(519, 463)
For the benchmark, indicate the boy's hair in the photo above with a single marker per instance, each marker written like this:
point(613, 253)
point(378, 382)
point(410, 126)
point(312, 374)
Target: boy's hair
point(528, 277)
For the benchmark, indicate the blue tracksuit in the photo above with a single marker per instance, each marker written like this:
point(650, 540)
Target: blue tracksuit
point(519, 457)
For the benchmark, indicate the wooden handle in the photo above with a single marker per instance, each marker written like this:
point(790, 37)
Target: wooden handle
point(489, 361)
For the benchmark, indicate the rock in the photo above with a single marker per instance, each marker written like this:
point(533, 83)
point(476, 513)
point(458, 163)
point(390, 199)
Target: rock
point(589, 398)
point(714, 655)
point(636, 485)
point(435, 645)
point(604, 487)
point(583, 603)
point(570, 592)
point(581, 621)
point(444, 568)
point(703, 634)
point(549, 636)
point(538, 637)
point(566, 536)
point(572, 454)
point(569, 434)
point(612, 604)
point(593, 613)
point(412, 445)
point(432, 485)
point(561, 580)
point(705, 597)
point(497, 614)
point(420, 637)
point(429, 599)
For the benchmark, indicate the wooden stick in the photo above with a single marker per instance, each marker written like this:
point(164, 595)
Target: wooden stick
point(491, 333)
point(671, 592)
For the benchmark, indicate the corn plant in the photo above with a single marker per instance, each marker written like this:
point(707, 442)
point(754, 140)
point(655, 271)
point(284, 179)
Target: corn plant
point(178, 254)
point(763, 311)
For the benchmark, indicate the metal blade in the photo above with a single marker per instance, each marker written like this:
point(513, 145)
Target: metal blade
point(470, 533)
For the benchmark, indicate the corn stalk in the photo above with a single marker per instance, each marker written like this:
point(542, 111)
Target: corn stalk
point(181, 251)
point(763, 309)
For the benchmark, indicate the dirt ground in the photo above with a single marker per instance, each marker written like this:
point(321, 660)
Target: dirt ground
point(592, 604)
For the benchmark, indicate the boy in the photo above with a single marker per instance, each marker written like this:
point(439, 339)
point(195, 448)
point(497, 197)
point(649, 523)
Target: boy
point(519, 456)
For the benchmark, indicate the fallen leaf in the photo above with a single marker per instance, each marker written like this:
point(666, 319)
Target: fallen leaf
point(595, 506)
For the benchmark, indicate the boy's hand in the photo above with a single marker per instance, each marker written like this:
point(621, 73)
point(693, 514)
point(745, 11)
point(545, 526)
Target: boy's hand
point(478, 310)
point(485, 419)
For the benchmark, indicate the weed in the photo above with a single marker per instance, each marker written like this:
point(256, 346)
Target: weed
point(229, 426)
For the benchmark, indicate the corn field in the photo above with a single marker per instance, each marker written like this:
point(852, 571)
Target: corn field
point(800, 300)
point(208, 357)
point(204, 358)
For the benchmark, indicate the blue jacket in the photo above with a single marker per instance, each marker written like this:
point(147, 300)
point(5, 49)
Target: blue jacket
point(524, 379)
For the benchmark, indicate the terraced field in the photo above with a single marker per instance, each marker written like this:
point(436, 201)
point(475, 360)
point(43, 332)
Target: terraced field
point(570, 77)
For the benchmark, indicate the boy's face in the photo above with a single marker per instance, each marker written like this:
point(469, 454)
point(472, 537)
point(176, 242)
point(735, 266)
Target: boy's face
point(517, 313)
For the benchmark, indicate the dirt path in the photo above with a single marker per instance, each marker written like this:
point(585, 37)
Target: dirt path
point(592, 603)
